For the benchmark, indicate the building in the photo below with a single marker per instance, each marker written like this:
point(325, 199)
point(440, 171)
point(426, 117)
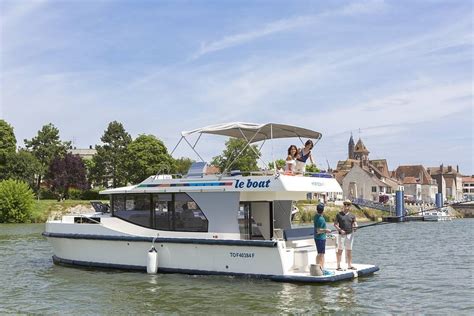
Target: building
point(361, 177)
point(84, 153)
point(418, 184)
point(449, 181)
point(468, 187)
point(362, 184)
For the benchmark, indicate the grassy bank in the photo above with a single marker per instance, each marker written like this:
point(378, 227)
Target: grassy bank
point(308, 210)
point(43, 208)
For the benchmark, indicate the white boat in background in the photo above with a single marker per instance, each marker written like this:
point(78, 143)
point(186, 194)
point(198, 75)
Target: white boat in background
point(225, 224)
point(437, 215)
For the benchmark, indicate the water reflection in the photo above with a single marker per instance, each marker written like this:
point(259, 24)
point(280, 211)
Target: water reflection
point(31, 283)
point(301, 298)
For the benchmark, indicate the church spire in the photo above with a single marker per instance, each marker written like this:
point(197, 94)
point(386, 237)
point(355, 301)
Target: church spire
point(351, 147)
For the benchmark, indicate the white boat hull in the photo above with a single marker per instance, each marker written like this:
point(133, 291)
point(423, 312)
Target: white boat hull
point(265, 259)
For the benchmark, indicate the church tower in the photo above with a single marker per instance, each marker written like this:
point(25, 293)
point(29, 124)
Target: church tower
point(351, 148)
point(361, 153)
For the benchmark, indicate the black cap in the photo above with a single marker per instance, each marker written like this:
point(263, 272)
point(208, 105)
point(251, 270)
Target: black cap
point(320, 208)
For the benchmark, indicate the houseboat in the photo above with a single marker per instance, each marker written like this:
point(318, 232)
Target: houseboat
point(437, 215)
point(232, 223)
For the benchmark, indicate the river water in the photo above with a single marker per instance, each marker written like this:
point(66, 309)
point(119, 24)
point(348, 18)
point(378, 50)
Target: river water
point(425, 268)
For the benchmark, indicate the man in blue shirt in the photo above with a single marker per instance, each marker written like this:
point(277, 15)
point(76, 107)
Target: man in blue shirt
point(320, 231)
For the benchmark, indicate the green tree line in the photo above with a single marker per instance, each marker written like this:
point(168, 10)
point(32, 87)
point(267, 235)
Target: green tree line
point(52, 172)
point(46, 169)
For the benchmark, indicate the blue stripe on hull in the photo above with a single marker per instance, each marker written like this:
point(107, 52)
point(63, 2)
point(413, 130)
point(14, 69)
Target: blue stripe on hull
point(252, 243)
point(278, 278)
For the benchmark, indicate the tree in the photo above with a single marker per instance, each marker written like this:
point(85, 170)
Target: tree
point(280, 163)
point(22, 166)
point(7, 147)
point(245, 161)
point(16, 201)
point(182, 165)
point(311, 168)
point(147, 156)
point(45, 147)
point(7, 138)
point(67, 172)
point(109, 164)
point(89, 165)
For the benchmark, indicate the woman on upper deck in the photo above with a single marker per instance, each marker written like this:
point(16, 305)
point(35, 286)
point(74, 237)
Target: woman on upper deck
point(291, 160)
point(303, 155)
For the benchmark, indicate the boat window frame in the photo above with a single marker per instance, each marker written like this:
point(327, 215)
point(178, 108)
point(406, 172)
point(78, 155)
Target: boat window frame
point(152, 218)
point(249, 234)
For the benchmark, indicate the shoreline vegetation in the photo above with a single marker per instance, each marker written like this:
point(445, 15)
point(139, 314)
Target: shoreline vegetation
point(43, 209)
point(307, 211)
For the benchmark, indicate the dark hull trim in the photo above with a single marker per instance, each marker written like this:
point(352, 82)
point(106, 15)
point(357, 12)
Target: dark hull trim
point(278, 278)
point(252, 243)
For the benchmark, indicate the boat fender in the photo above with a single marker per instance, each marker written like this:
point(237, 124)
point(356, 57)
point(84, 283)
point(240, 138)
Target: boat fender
point(152, 261)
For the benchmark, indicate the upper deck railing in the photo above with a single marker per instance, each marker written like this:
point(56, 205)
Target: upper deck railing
point(234, 173)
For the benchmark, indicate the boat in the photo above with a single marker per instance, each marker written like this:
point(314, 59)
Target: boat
point(232, 223)
point(437, 215)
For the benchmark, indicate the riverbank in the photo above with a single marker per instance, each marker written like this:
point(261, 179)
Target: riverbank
point(307, 210)
point(43, 209)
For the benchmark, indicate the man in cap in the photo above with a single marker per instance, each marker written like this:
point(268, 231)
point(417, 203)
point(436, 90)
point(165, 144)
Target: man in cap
point(320, 231)
point(345, 224)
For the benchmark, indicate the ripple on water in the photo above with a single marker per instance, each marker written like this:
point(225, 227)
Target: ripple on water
point(426, 268)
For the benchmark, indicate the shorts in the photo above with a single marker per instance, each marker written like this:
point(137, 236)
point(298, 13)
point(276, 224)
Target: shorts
point(345, 241)
point(320, 245)
point(299, 167)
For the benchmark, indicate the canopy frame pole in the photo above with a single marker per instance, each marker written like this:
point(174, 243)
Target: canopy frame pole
point(265, 163)
point(197, 140)
point(273, 157)
point(186, 140)
point(260, 158)
point(176, 146)
point(248, 142)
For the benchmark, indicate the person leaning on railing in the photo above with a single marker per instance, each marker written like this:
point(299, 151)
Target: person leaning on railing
point(303, 155)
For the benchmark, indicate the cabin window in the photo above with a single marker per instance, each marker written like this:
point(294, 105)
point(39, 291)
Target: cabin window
point(136, 209)
point(160, 211)
point(118, 202)
point(187, 215)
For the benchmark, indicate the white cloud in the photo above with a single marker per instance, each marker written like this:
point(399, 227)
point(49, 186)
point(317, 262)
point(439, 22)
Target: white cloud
point(283, 25)
point(364, 7)
point(14, 12)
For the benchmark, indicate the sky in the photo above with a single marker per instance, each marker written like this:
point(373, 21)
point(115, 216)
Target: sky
point(398, 74)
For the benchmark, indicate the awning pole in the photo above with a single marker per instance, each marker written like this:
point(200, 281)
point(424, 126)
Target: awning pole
point(273, 158)
point(185, 139)
point(171, 154)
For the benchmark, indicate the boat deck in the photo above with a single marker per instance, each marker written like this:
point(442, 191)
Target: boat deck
point(346, 274)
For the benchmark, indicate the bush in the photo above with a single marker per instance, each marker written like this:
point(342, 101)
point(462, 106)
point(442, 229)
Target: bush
point(16, 202)
point(75, 194)
point(91, 195)
point(47, 194)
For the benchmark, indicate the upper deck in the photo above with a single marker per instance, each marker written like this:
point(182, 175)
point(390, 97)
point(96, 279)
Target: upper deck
point(252, 183)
